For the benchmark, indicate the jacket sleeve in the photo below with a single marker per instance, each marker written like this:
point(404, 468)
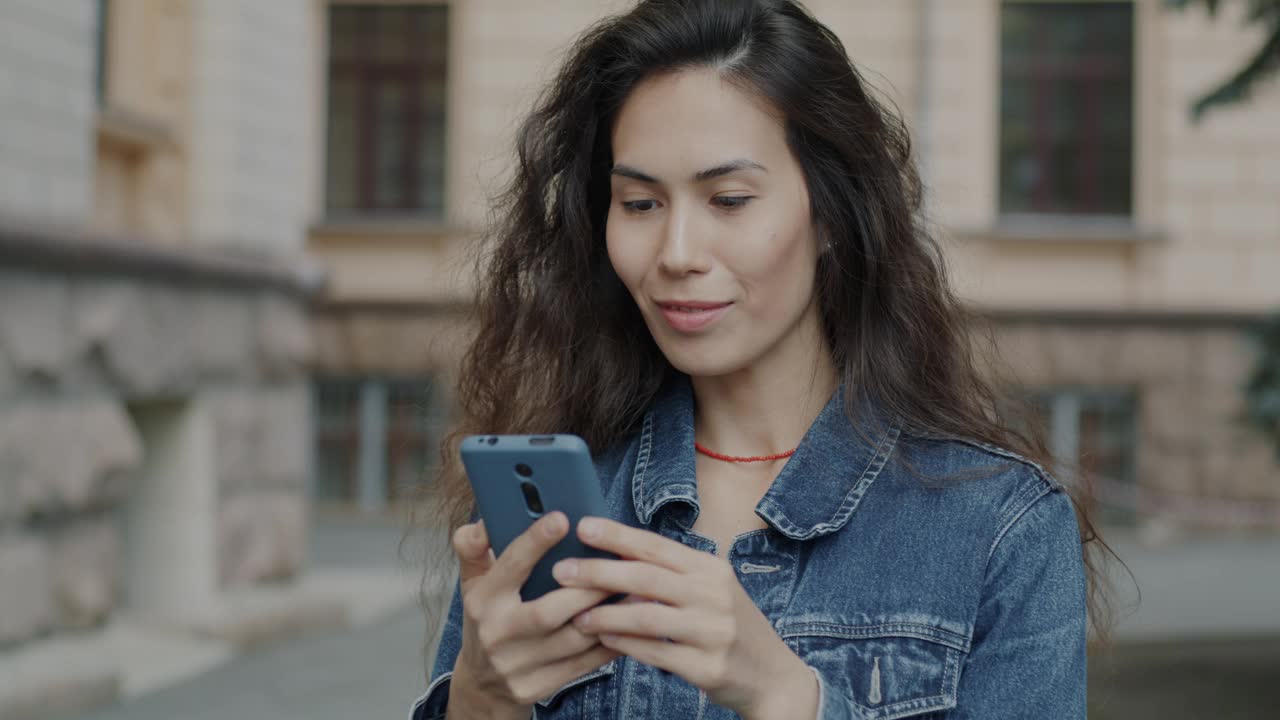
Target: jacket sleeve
point(1028, 658)
point(435, 701)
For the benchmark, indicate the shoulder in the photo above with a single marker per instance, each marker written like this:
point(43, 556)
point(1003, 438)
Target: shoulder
point(979, 483)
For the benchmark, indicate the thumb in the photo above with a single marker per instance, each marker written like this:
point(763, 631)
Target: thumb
point(471, 543)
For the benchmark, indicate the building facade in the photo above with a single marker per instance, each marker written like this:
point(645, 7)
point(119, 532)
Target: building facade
point(155, 419)
point(1121, 252)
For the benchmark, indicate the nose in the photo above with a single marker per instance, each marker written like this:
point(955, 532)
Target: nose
point(682, 252)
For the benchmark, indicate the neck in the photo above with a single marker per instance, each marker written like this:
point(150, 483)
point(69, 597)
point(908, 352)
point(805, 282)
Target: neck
point(767, 407)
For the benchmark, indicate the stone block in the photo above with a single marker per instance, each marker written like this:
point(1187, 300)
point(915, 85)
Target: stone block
point(157, 340)
point(261, 536)
point(1155, 355)
point(262, 437)
point(143, 340)
point(223, 334)
point(1227, 357)
point(1169, 416)
point(35, 329)
point(233, 413)
point(284, 458)
point(26, 593)
point(1170, 472)
point(1025, 350)
point(1081, 355)
point(64, 456)
point(285, 345)
point(86, 573)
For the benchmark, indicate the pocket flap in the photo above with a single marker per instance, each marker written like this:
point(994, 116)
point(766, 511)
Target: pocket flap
point(891, 670)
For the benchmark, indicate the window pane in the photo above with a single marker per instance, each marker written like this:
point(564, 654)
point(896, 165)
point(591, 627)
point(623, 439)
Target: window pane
point(1066, 119)
point(387, 75)
point(413, 431)
point(337, 442)
point(1107, 452)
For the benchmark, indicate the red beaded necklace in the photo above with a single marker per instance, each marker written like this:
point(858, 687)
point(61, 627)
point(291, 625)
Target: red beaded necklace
point(743, 459)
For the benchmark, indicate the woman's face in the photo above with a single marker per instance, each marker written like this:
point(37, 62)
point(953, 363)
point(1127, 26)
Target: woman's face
point(709, 224)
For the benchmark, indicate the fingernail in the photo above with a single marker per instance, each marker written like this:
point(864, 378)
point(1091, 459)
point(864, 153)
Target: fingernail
point(589, 527)
point(565, 570)
point(584, 618)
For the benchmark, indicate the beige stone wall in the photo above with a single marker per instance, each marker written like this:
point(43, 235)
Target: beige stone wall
point(46, 110)
point(1207, 235)
point(1196, 463)
point(251, 123)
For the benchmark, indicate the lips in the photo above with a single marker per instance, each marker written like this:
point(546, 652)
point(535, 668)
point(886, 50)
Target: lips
point(690, 316)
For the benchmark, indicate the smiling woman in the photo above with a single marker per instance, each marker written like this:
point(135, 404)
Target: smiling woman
point(710, 265)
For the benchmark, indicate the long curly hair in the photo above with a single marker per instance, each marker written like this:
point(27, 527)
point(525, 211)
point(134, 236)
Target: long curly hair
point(560, 345)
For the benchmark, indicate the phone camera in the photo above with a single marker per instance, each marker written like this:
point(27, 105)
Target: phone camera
point(531, 497)
point(524, 470)
point(493, 441)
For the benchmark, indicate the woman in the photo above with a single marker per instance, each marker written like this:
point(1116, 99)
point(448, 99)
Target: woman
point(710, 265)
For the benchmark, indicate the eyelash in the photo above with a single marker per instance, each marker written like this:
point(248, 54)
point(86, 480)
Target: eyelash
point(736, 202)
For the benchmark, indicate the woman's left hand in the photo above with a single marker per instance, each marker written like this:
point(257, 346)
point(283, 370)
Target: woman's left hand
point(719, 640)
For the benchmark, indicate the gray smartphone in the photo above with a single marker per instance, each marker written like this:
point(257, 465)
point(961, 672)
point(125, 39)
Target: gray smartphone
point(518, 479)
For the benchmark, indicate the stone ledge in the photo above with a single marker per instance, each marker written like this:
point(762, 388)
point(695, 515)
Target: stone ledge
point(65, 249)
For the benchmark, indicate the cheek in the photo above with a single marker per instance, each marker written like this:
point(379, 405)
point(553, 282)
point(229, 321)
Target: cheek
point(780, 264)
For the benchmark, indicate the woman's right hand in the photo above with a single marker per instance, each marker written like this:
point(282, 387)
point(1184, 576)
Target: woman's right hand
point(513, 652)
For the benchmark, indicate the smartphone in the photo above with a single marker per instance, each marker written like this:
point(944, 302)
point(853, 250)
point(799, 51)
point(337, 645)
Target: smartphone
point(518, 479)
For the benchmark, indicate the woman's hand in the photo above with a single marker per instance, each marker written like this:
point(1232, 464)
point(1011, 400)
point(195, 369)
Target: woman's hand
point(514, 653)
point(718, 639)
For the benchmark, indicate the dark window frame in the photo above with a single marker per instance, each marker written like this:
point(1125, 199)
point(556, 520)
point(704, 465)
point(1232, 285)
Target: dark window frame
point(372, 74)
point(1042, 78)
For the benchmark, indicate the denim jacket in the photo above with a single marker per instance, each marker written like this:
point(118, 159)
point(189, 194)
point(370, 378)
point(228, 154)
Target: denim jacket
point(907, 599)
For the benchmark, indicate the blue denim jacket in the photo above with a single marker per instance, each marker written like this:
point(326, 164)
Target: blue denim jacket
point(907, 600)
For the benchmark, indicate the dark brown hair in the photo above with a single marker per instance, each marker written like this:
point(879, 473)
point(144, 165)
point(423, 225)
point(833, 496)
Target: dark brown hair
point(560, 345)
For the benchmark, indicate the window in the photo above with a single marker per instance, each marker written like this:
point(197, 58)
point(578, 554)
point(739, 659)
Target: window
point(1093, 436)
point(376, 439)
point(386, 111)
point(1066, 108)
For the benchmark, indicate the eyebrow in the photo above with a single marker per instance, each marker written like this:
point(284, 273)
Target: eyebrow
point(701, 176)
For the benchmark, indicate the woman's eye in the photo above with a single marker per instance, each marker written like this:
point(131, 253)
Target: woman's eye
point(639, 206)
point(732, 202)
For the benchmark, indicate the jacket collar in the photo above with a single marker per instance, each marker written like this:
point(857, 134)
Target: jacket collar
point(816, 492)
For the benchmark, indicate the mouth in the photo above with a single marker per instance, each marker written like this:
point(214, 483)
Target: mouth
point(690, 316)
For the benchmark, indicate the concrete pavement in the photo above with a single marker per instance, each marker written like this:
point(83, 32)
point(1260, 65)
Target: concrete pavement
point(1205, 642)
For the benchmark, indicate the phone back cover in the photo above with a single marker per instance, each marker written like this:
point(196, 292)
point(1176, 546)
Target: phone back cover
point(565, 478)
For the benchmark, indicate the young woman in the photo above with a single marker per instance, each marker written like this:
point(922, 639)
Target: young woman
point(711, 266)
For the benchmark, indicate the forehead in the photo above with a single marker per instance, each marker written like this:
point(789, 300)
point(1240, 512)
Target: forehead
point(694, 119)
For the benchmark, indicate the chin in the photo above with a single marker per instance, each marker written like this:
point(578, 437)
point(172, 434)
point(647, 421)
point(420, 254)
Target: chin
point(700, 359)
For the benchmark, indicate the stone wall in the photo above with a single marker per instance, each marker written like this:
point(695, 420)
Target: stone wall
point(46, 107)
point(1195, 460)
point(86, 350)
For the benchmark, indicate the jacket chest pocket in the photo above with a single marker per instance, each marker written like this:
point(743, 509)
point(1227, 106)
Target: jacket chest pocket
point(892, 670)
point(580, 697)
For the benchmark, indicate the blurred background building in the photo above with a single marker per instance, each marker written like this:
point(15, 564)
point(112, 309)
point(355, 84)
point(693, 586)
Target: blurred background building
point(154, 397)
point(234, 260)
point(1120, 250)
